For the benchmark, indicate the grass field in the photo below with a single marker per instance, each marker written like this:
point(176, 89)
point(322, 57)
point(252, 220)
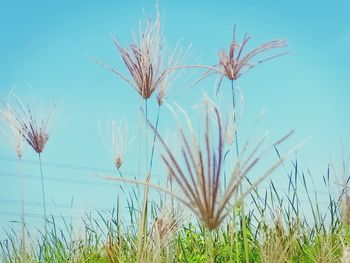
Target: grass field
point(277, 229)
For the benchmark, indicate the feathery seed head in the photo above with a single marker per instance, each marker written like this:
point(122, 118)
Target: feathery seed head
point(26, 125)
point(166, 225)
point(118, 162)
point(198, 173)
point(233, 64)
point(144, 60)
point(119, 135)
point(117, 140)
point(12, 120)
point(36, 129)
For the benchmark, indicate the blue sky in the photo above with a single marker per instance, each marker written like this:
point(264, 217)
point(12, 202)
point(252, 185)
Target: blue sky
point(44, 49)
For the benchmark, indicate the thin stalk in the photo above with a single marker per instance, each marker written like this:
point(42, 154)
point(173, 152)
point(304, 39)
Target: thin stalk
point(154, 140)
point(243, 219)
point(231, 230)
point(43, 190)
point(121, 187)
point(211, 247)
point(224, 162)
point(234, 117)
point(245, 232)
point(22, 211)
point(170, 185)
point(120, 173)
point(143, 225)
point(139, 151)
point(156, 257)
point(237, 241)
point(347, 233)
point(146, 128)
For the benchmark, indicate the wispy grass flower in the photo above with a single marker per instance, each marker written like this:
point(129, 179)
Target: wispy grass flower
point(116, 137)
point(166, 225)
point(36, 129)
point(199, 178)
point(163, 230)
point(198, 173)
point(119, 141)
point(234, 63)
point(146, 62)
point(12, 122)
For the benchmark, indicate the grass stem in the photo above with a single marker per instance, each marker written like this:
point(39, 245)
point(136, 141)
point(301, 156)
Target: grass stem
point(23, 259)
point(154, 140)
point(43, 191)
point(211, 246)
point(146, 128)
point(234, 117)
point(243, 219)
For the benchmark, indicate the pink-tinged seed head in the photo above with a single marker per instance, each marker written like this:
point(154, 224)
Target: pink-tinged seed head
point(148, 66)
point(197, 172)
point(36, 128)
point(118, 162)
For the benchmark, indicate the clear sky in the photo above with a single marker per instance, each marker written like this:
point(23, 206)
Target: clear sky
point(43, 52)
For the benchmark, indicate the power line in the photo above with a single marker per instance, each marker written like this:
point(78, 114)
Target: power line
point(113, 184)
point(96, 169)
point(56, 179)
point(110, 183)
point(68, 166)
point(35, 215)
point(39, 204)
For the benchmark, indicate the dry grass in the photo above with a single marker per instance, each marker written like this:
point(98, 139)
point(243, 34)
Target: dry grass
point(199, 173)
point(146, 62)
point(236, 61)
point(165, 226)
point(116, 137)
point(35, 127)
point(277, 244)
point(14, 126)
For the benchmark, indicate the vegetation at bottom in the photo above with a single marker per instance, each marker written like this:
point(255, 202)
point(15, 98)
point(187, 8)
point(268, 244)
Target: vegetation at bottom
point(278, 228)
